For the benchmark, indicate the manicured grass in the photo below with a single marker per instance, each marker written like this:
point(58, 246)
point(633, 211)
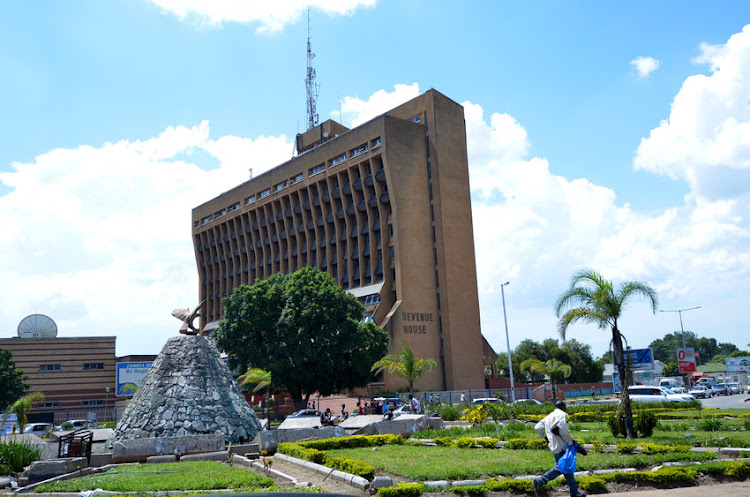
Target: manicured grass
point(204, 475)
point(438, 463)
point(666, 433)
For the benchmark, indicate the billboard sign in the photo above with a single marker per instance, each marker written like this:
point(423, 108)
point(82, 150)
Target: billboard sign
point(129, 376)
point(736, 364)
point(638, 359)
point(686, 360)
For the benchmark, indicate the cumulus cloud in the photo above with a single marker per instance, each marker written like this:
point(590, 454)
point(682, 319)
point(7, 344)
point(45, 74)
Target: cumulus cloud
point(355, 111)
point(706, 138)
point(645, 66)
point(99, 237)
point(269, 16)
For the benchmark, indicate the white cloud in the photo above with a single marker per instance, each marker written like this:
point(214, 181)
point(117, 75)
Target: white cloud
point(706, 138)
point(270, 16)
point(645, 66)
point(99, 238)
point(355, 111)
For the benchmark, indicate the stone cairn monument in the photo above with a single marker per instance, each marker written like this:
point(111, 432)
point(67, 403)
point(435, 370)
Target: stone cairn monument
point(188, 391)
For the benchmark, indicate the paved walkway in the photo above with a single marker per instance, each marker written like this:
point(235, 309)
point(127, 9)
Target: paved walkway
point(735, 489)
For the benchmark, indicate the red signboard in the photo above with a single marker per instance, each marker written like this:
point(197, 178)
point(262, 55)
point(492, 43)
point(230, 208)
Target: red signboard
point(686, 360)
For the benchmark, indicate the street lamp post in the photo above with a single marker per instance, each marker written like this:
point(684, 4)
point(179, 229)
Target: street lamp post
point(680, 311)
point(507, 342)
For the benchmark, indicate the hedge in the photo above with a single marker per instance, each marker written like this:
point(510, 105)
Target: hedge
point(402, 490)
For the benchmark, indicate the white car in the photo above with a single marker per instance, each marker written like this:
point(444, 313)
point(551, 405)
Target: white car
point(699, 391)
point(482, 400)
point(644, 393)
point(735, 387)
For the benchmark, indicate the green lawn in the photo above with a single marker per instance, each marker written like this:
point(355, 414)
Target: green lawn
point(204, 475)
point(447, 463)
point(733, 432)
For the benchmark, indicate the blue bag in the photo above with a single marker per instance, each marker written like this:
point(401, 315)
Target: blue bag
point(567, 462)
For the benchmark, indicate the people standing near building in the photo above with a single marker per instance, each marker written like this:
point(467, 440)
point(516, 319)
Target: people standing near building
point(554, 429)
point(463, 398)
point(438, 398)
point(344, 414)
point(414, 405)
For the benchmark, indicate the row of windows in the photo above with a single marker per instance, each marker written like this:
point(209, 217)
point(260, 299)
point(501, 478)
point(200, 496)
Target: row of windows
point(87, 366)
point(324, 225)
point(296, 179)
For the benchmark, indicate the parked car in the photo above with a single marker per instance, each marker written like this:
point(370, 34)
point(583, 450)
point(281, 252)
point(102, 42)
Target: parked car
point(735, 387)
point(482, 400)
point(528, 402)
point(40, 429)
point(699, 391)
point(78, 424)
point(302, 413)
point(721, 389)
point(645, 393)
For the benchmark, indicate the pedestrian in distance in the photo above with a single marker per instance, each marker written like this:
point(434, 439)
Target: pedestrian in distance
point(554, 429)
point(414, 405)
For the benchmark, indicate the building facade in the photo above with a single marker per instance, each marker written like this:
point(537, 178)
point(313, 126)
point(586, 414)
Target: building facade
point(76, 375)
point(385, 208)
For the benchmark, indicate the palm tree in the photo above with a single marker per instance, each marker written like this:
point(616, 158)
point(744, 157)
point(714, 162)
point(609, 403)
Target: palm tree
point(405, 365)
point(600, 304)
point(552, 369)
point(22, 407)
point(258, 377)
point(262, 381)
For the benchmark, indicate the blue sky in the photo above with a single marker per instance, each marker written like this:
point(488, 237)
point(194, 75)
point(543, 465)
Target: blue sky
point(120, 116)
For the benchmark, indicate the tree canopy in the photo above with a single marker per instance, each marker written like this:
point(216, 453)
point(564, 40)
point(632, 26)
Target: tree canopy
point(592, 299)
point(578, 355)
point(303, 329)
point(12, 379)
point(708, 349)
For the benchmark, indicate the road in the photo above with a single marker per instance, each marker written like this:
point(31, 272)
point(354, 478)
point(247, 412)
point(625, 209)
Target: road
point(728, 401)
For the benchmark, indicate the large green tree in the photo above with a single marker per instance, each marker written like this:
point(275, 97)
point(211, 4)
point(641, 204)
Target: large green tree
point(665, 349)
point(303, 329)
point(592, 299)
point(406, 365)
point(12, 379)
point(576, 354)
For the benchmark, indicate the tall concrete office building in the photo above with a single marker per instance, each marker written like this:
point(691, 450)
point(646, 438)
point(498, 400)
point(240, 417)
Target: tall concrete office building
point(385, 208)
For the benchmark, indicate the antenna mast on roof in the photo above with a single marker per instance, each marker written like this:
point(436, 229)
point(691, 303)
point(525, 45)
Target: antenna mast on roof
point(313, 89)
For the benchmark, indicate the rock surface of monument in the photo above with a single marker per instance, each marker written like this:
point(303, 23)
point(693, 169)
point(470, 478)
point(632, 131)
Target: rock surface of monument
point(188, 391)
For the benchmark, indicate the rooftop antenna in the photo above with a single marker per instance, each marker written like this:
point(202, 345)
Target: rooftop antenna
point(313, 89)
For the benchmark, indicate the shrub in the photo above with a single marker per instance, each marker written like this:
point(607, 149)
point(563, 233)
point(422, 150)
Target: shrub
point(402, 490)
point(463, 443)
point(14, 456)
point(593, 484)
point(526, 443)
point(487, 443)
point(443, 441)
point(712, 424)
point(616, 423)
point(449, 412)
point(511, 485)
point(645, 423)
point(471, 490)
point(351, 466)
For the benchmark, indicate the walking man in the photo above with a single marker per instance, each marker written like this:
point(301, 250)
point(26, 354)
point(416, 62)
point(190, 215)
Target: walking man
point(554, 429)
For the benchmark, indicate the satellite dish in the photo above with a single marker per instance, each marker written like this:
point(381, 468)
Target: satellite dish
point(37, 326)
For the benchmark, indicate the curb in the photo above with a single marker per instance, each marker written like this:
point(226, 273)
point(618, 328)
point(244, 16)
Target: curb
point(353, 480)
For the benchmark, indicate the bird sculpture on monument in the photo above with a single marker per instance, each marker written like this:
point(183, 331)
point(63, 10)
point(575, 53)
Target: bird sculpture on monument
point(188, 319)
